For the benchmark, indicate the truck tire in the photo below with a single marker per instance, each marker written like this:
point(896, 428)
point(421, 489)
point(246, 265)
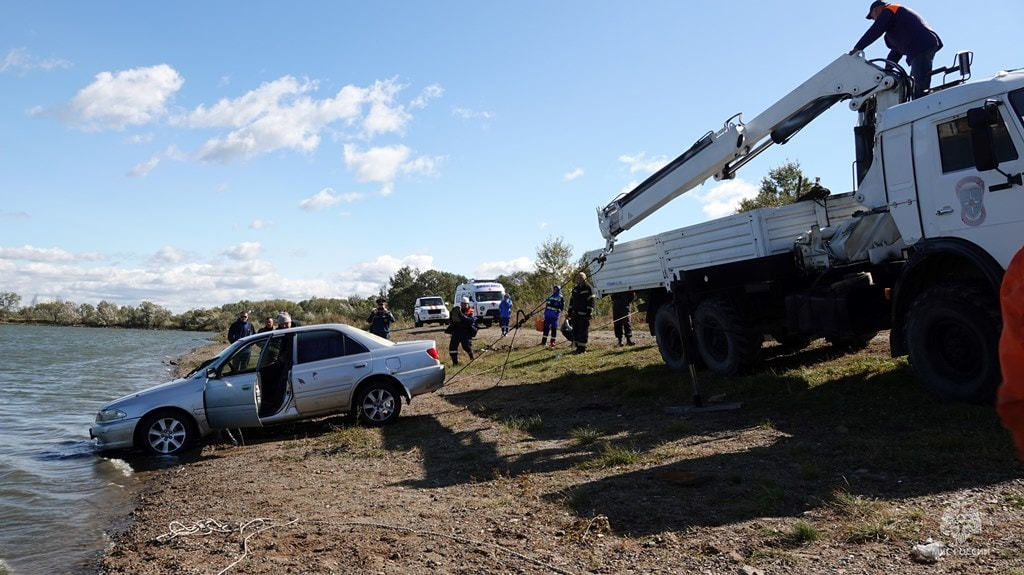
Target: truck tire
point(952, 340)
point(669, 338)
point(727, 345)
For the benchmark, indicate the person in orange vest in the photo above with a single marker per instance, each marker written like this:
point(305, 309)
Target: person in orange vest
point(1010, 400)
point(906, 34)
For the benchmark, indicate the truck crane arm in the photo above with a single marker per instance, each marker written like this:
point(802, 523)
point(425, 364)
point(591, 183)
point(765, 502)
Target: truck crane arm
point(720, 154)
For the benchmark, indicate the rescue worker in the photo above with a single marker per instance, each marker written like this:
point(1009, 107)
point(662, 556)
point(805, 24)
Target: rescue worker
point(622, 304)
point(552, 310)
point(462, 327)
point(581, 307)
point(1010, 401)
point(906, 34)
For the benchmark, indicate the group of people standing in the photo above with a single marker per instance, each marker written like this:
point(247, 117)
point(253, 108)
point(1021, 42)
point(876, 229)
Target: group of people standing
point(242, 327)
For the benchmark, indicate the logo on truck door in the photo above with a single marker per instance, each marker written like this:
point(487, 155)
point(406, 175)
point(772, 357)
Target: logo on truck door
point(971, 193)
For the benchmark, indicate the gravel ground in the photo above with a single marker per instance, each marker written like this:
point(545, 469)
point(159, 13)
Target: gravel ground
point(448, 490)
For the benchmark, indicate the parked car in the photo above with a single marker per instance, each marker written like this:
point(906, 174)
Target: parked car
point(274, 377)
point(430, 309)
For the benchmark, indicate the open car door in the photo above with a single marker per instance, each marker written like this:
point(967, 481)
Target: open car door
point(232, 395)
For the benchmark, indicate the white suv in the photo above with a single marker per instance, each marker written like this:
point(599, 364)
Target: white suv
point(430, 309)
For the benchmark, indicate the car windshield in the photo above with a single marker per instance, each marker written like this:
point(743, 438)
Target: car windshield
point(488, 295)
point(431, 301)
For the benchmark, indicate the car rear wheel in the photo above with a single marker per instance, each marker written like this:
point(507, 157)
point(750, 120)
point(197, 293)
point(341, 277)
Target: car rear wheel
point(165, 432)
point(378, 404)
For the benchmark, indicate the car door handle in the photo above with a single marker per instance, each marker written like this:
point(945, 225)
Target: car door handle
point(359, 365)
point(943, 211)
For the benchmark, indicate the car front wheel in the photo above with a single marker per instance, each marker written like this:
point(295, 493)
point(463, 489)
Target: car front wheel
point(378, 404)
point(165, 433)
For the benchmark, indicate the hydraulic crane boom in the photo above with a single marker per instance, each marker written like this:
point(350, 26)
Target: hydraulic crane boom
point(720, 154)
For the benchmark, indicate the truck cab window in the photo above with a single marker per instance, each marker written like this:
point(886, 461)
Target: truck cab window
point(955, 151)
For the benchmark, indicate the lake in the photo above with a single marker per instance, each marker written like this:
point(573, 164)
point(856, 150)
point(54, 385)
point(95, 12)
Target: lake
point(58, 497)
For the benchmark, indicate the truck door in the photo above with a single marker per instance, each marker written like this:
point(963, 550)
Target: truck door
point(958, 201)
point(328, 366)
point(232, 393)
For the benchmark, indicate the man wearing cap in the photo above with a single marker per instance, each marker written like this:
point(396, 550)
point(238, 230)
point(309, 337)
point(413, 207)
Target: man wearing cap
point(906, 34)
point(552, 310)
point(284, 321)
point(581, 307)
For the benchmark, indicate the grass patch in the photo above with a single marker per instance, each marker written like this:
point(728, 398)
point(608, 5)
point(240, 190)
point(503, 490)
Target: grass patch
point(585, 435)
point(613, 456)
point(524, 423)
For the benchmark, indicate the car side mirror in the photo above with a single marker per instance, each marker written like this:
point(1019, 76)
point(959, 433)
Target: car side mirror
point(211, 373)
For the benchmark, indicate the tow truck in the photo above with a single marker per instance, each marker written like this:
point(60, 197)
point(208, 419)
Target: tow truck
point(918, 248)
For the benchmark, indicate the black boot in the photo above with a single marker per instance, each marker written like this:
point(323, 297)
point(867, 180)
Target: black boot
point(455, 359)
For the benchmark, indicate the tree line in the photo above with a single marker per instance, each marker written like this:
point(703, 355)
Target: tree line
point(554, 266)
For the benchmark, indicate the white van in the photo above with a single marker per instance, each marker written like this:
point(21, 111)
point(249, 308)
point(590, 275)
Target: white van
point(484, 296)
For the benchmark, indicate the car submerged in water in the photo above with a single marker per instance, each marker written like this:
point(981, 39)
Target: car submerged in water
point(274, 377)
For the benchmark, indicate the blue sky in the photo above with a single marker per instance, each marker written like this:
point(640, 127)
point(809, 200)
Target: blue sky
point(194, 154)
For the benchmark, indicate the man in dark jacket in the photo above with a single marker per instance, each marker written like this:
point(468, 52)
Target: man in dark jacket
point(622, 303)
point(906, 34)
point(240, 328)
point(581, 307)
point(462, 327)
point(380, 320)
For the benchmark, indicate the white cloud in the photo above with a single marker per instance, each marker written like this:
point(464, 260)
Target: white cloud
point(260, 224)
point(282, 114)
point(20, 59)
point(470, 114)
point(570, 176)
point(496, 268)
point(641, 163)
point(245, 251)
point(724, 197)
point(141, 169)
point(376, 164)
point(429, 93)
point(34, 254)
point(117, 100)
point(325, 198)
point(168, 255)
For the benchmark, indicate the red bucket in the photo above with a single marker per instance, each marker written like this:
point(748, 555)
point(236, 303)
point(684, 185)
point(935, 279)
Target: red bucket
point(539, 324)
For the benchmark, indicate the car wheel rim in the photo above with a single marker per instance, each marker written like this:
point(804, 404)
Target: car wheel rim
point(167, 435)
point(378, 405)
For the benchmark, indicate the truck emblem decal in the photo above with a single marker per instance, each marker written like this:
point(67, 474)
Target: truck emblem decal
point(971, 193)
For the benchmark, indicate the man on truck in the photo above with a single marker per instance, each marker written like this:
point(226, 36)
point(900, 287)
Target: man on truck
point(906, 34)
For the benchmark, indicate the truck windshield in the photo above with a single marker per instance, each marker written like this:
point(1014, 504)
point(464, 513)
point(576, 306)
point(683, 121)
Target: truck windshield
point(488, 296)
point(431, 301)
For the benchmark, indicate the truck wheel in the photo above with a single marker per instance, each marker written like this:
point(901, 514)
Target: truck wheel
point(668, 336)
point(419, 323)
point(726, 344)
point(952, 339)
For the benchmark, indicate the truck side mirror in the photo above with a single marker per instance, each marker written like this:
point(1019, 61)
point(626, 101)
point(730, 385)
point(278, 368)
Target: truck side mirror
point(980, 120)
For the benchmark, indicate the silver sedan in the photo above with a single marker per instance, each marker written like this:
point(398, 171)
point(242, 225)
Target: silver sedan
point(274, 377)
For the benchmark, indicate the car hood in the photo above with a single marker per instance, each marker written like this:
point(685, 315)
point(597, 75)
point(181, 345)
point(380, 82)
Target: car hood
point(171, 387)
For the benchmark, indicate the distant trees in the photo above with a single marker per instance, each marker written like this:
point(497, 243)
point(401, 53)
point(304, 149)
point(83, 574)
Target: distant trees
point(9, 302)
point(555, 266)
point(783, 185)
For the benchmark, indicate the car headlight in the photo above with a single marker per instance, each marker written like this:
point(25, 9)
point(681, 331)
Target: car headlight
point(109, 414)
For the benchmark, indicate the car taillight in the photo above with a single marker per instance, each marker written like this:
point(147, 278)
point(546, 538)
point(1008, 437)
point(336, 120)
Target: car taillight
point(432, 352)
